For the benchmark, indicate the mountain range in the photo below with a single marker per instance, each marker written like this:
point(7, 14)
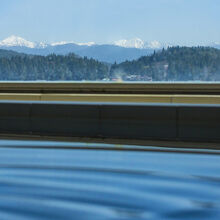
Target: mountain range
point(118, 51)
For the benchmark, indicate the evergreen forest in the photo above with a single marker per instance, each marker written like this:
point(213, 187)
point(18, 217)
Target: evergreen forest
point(171, 64)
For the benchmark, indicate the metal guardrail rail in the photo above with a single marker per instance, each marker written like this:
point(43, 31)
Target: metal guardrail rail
point(111, 88)
point(118, 98)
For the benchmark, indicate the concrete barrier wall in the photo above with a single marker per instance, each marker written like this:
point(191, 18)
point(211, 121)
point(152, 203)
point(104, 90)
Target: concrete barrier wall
point(199, 122)
point(15, 117)
point(111, 120)
point(138, 121)
point(65, 119)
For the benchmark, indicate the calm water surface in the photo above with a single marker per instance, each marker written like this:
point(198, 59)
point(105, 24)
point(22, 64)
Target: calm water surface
point(51, 184)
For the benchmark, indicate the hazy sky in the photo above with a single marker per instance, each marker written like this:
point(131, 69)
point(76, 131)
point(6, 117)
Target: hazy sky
point(184, 22)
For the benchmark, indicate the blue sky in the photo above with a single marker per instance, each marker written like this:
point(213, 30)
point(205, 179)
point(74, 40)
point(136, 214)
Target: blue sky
point(184, 22)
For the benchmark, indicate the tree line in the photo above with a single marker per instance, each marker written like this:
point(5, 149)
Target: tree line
point(174, 64)
point(171, 64)
point(51, 67)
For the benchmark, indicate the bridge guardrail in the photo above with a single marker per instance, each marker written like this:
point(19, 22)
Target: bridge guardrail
point(112, 120)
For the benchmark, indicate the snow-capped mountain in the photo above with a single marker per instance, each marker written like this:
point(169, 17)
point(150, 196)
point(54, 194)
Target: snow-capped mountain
point(154, 45)
point(139, 44)
point(132, 43)
point(119, 51)
point(41, 45)
point(14, 41)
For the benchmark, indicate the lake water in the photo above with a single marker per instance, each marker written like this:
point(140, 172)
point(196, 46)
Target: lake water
point(79, 183)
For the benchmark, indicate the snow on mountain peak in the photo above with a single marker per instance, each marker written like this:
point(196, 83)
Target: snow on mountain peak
point(16, 41)
point(41, 45)
point(138, 43)
point(86, 44)
point(13, 41)
point(154, 45)
point(132, 43)
point(61, 43)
